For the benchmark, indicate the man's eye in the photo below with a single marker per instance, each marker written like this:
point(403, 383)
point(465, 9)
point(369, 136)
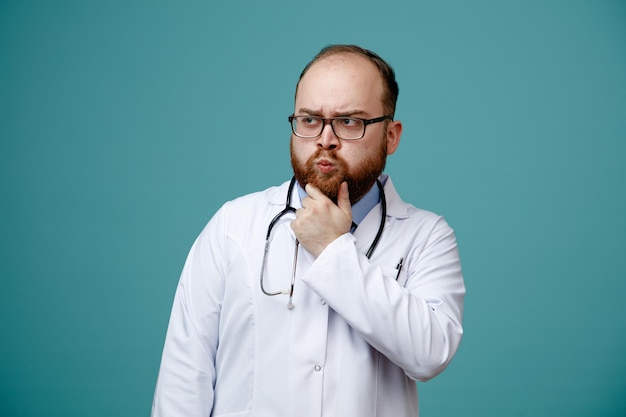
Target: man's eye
point(309, 121)
point(348, 122)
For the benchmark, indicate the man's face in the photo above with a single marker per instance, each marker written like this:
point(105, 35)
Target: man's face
point(341, 85)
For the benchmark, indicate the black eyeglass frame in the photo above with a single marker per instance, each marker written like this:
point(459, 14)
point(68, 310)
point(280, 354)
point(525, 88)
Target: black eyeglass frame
point(330, 121)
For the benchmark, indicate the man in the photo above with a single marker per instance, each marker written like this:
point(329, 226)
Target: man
point(356, 295)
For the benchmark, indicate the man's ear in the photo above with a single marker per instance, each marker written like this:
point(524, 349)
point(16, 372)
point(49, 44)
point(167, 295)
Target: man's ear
point(394, 131)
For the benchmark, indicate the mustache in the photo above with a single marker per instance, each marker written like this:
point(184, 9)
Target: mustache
point(323, 153)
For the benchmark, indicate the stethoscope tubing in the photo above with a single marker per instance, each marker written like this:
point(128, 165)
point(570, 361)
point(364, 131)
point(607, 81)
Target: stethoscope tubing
point(289, 209)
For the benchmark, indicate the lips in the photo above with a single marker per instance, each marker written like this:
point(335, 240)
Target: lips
point(324, 165)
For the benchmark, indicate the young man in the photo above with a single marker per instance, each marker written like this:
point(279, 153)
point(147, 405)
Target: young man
point(353, 296)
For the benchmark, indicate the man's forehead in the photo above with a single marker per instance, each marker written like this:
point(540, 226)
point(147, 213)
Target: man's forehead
point(342, 69)
point(341, 60)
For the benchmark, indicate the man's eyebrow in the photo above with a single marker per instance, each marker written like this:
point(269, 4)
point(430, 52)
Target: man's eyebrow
point(309, 112)
point(340, 114)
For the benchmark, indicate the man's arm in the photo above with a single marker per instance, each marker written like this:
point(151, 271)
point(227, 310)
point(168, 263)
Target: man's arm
point(418, 326)
point(185, 385)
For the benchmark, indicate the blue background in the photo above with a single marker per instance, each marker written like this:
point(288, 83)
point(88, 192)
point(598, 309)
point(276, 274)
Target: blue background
point(124, 125)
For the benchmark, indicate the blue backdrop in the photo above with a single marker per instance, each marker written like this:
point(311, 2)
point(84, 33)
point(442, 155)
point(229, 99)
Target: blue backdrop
point(124, 125)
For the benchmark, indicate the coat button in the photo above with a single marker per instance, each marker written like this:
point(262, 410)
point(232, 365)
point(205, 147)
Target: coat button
point(317, 368)
point(323, 302)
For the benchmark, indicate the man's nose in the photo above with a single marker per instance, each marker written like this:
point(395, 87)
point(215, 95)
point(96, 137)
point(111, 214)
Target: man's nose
point(327, 139)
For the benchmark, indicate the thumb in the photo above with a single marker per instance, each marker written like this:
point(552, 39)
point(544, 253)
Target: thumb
point(343, 200)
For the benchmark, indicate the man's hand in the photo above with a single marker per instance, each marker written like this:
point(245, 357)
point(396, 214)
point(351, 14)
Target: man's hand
point(320, 221)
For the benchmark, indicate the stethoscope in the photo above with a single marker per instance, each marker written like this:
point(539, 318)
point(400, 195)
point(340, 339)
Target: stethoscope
point(290, 209)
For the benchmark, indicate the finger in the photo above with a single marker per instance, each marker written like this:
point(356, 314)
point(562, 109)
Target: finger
point(343, 199)
point(313, 192)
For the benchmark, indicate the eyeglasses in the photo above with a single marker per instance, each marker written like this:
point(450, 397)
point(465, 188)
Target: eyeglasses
point(347, 128)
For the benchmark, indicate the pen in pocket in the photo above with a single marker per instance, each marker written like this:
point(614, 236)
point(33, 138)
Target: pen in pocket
point(399, 267)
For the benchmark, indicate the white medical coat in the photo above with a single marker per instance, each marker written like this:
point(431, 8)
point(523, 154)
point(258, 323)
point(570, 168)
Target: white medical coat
point(355, 342)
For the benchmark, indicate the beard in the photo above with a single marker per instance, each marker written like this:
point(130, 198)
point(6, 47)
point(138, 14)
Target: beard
point(360, 178)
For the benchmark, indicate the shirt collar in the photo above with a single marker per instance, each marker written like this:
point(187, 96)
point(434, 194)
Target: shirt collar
point(361, 207)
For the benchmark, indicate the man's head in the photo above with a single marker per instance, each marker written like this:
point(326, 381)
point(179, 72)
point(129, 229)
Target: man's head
point(388, 76)
point(345, 81)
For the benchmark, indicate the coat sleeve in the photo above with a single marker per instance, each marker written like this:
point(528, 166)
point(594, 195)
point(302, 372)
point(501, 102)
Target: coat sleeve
point(185, 385)
point(418, 325)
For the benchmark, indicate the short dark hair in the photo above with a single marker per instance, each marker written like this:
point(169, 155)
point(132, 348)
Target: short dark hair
point(390, 93)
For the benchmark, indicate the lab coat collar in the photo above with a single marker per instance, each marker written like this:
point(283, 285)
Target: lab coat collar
point(396, 207)
point(278, 195)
